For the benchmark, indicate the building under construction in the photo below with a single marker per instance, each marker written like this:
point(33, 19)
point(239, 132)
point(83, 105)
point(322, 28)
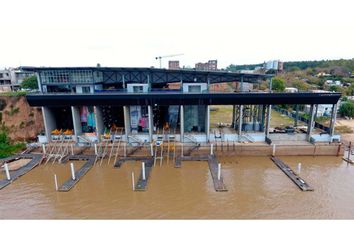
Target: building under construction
point(88, 104)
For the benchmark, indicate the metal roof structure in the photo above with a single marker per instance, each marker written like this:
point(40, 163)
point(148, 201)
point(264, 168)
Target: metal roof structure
point(113, 75)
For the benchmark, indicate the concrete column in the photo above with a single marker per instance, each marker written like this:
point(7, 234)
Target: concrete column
point(333, 120)
point(269, 110)
point(233, 116)
point(151, 123)
point(263, 118)
point(296, 115)
point(75, 110)
point(182, 123)
point(311, 122)
point(240, 118)
point(99, 121)
point(207, 123)
point(49, 122)
point(126, 121)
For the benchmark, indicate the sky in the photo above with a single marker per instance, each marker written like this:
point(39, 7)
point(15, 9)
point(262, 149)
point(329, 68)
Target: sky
point(132, 33)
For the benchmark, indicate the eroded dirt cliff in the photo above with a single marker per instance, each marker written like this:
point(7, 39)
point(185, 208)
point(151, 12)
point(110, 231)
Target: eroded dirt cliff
point(22, 121)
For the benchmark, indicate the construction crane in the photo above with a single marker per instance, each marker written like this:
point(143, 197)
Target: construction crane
point(167, 56)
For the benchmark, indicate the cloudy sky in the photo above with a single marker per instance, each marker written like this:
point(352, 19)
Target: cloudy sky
point(134, 32)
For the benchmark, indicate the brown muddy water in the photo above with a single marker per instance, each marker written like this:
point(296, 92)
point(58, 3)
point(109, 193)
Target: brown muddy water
point(257, 190)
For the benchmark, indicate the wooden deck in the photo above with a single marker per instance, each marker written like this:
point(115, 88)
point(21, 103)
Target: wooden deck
point(149, 162)
point(178, 162)
point(219, 185)
point(292, 175)
point(120, 161)
point(70, 183)
point(213, 166)
point(36, 160)
point(142, 184)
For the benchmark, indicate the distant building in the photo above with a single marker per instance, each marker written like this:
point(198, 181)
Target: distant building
point(333, 83)
point(211, 65)
point(11, 78)
point(323, 74)
point(173, 64)
point(291, 90)
point(274, 65)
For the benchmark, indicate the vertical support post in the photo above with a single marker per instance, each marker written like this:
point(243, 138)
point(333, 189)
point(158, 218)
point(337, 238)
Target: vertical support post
point(96, 151)
point(151, 123)
point(99, 121)
point(273, 153)
point(269, 110)
point(72, 149)
point(219, 171)
point(182, 149)
point(126, 121)
point(333, 120)
point(133, 181)
point(311, 122)
point(76, 121)
point(123, 81)
point(233, 116)
point(240, 118)
point(182, 124)
point(349, 150)
point(56, 182)
point(263, 118)
point(299, 168)
point(207, 123)
point(143, 169)
point(296, 115)
point(151, 149)
point(8, 177)
point(212, 149)
point(44, 150)
point(72, 171)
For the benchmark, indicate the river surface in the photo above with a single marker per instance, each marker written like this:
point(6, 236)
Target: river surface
point(257, 189)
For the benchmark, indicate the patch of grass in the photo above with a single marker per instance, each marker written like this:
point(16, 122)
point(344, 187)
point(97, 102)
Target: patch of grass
point(219, 114)
point(8, 149)
point(14, 94)
point(279, 120)
point(343, 129)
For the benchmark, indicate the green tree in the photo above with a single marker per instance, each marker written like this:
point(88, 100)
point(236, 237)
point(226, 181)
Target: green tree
point(347, 109)
point(301, 85)
point(30, 83)
point(278, 84)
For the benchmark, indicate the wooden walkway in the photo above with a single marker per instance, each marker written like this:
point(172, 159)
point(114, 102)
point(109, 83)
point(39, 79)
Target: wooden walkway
point(292, 175)
point(149, 162)
point(219, 185)
point(190, 150)
point(142, 184)
point(79, 173)
point(118, 163)
point(178, 162)
point(36, 160)
point(213, 166)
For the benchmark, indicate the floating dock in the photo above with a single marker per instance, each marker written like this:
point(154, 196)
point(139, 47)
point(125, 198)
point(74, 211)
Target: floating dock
point(79, 173)
point(292, 175)
point(149, 162)
point(213, 167)
point(142, 183)
point(36, 160)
